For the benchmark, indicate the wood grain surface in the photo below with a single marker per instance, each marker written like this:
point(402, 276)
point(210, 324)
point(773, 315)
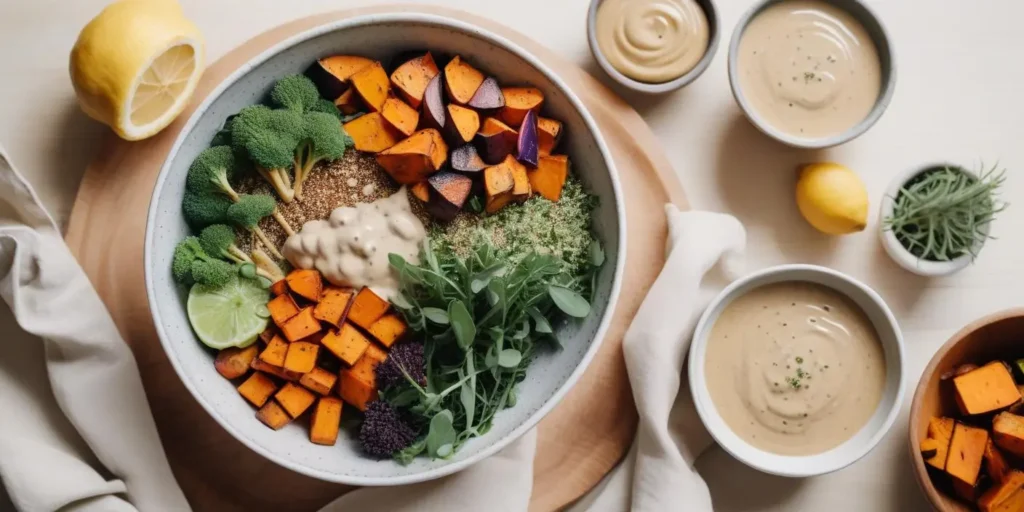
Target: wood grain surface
point(578, 443)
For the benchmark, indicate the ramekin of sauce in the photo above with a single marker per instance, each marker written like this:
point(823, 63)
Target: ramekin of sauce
point(653, 46)
point(811, 73)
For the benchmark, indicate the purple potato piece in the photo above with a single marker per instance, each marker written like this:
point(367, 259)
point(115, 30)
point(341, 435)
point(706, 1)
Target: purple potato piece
point(526, 147)
point(495, 147)
point(488, 96)
point(433, 103)
point(449, 192)
point(466, 159)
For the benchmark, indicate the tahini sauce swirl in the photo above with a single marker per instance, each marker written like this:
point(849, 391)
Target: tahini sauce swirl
point(652, 41)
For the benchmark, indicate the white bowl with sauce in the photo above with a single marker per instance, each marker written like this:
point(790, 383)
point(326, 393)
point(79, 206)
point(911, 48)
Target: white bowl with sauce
point(848, 411)
point(817, 91)
point(653, 46)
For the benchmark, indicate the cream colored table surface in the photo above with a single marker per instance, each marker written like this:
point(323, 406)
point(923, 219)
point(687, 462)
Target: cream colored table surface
point(958, 97)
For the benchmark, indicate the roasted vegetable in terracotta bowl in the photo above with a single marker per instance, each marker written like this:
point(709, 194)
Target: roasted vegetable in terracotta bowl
point(405, 253)
point(967, 419)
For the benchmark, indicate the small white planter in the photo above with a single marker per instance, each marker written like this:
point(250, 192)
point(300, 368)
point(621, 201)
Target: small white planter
point(895, 249)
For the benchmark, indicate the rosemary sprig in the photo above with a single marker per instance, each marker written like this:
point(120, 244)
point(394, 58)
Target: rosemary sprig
point(943, 213)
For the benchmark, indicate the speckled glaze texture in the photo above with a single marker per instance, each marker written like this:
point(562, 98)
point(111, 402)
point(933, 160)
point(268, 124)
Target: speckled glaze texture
point(380, 37)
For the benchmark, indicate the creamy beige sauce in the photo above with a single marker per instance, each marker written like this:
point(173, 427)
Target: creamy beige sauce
point(652, 41)
point(794, 368)
point(808, 68)
point(351, 247)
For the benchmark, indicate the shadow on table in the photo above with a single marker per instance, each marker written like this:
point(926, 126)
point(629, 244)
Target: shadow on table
point(736, 487)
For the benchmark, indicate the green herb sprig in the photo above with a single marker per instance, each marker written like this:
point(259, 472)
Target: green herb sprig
point(944, 213)
point(482, 319)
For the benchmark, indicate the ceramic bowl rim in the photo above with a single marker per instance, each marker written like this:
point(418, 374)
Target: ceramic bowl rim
point(761, 460)
point(881, 104)
point(895, 249)
point(439, 21)
point(714, 28)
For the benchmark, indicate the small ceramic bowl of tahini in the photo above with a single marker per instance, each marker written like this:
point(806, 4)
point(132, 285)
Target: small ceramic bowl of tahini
point(797, 370)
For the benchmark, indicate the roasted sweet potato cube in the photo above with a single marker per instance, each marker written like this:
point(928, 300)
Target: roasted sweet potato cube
point(257, 389)
point(319, 380)
point(549, 134)
point(306, 284)
point(1007, 496)
point(273, 415)
point(367, 308)
point(388, 329)
point(986, 389)
point(234, 362)
point(461, 80)
point(499, 184)
point(323, 426)
point(414, 159)
point(268, 334)
point(966, 450)
point(519, 101)
point(333, 305)
point(449, 192)
point(279, 288)
point(375, 353)
point(347, 344)
point(301, 325)
point(521, 189)
point(412, 77)
point(401, 116)
point(356, 388)
point(996, 466)
point(420, 191)
point(331, 74)
point(462, 124)
point(294, 399)
point(935, 447)
point(495, 141)
point(372, 85)
point(301, 357)
point(277, 371)
point(282, 308)
point(372, 133)
point(275, 352)
point(549, 177)
point(348, 103)
point(1008, 432)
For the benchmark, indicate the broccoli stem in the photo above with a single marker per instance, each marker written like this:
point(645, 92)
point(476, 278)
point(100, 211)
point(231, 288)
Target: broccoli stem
point(283, 189)
point(304, 163)
point(285, 225)
point(226, 188)
point(238, 255)
point(266, 242)
point(267, 267)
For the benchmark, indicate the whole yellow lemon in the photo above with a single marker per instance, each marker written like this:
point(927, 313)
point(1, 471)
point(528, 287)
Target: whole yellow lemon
point(832, 198)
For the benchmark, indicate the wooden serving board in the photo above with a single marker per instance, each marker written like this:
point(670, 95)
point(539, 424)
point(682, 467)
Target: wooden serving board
point(579, 442)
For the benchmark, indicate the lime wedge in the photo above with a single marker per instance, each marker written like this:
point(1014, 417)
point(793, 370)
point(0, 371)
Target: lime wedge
point(229, 316)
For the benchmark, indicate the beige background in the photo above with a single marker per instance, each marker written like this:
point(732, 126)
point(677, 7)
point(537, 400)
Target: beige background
point(957, 98)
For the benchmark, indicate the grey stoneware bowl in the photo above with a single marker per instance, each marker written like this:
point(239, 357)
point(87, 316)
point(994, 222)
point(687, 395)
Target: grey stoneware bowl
point(872, 23)
point(655, 88)
point(381, 36)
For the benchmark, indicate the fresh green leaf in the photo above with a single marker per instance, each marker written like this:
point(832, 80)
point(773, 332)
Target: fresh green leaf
point(570, 302)
point(407, 455)
point(400, 301)
point(541, 324)
point(510, 358)
point(405, 398)
point(462, 324)
point(468, 393)
point(524, 330)
point(476, 205)
point(596, 253)
point(440, 433)
point(436, 315)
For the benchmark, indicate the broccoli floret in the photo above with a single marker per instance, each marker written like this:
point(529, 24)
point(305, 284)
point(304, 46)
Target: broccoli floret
point(327, 107)
point(407, 356)
point(202, 210)
point(323, 139)
point(219, 240)
point(383, 432)
point(295, 92)
point(211, 172)
point(191, 264)
point(250, 209)
point(269, 137)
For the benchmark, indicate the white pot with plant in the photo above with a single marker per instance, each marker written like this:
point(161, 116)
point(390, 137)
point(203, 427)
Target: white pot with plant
point(936, 218)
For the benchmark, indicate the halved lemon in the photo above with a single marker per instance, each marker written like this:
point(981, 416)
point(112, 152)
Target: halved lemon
point(136, 64)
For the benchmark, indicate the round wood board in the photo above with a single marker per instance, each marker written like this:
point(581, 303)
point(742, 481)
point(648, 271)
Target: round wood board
point(578, 442)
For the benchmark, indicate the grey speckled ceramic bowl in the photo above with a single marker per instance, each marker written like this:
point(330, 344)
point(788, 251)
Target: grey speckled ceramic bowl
point(886, 56)
point(380, 36)
point(656, 88)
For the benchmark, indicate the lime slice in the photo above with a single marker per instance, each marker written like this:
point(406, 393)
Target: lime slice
point(228, 316)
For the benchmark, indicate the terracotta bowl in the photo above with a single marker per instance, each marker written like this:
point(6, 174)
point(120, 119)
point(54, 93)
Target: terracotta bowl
point(997, 336)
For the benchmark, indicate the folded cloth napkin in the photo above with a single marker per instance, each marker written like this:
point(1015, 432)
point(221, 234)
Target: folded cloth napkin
point(658, 473)
point(76, 433)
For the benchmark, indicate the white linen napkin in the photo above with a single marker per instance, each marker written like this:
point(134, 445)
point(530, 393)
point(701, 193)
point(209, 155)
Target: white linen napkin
point(76, 433)
point(658, 473)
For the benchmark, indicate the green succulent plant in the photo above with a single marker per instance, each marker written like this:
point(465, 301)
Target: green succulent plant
point(944, 212)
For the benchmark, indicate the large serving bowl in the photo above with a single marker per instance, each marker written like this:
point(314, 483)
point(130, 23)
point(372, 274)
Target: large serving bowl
point(996, 336)
point(854, 448)
point(382, 36)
